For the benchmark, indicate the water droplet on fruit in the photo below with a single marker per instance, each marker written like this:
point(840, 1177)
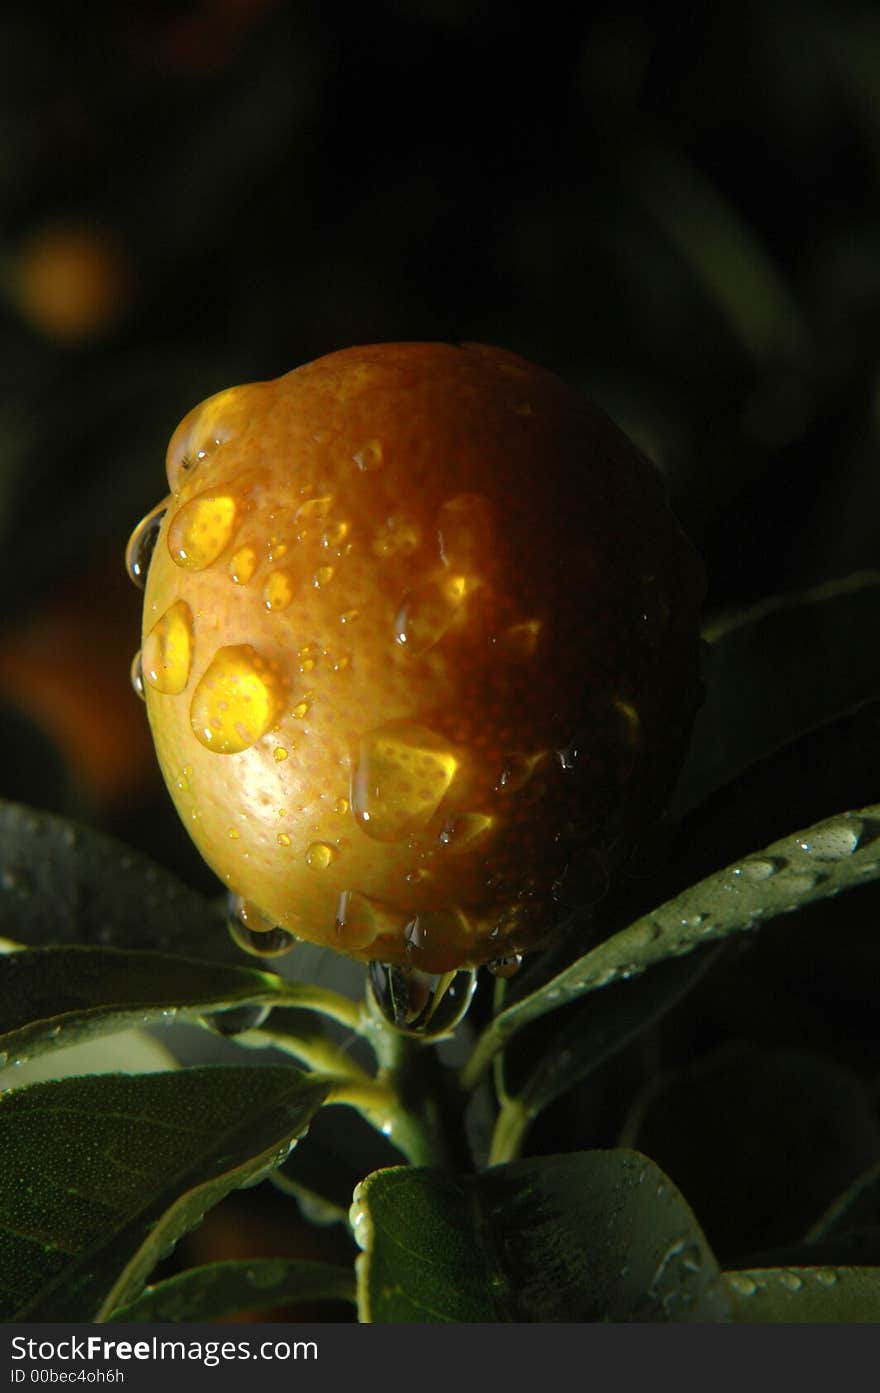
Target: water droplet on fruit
point(242, 565)
point(369, 456)
point(400, 778)
point(521, 640)
point(462, 830)
point(142, 543)
point(464, 531)
point(427, 613)
point(201, 530)
point(342, 806)
point(833, 841)
point(166, 657)
point(418, 1002)
point(207, 427)
point(360, 919)
point(302, 708)
point(791, 1281)
point(236, 700)
point(137, 676)
point(335, 534)
point(279, 754)
point(516, 772)
point(323, 576)
point(254, 932)
point(399, 536)
point(278, 590)
point(312, 514)
point(319, 856)
point(282, 839)
point(507, 966)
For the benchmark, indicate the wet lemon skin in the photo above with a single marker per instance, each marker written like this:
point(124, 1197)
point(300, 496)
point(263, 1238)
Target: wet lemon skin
point(422, 636)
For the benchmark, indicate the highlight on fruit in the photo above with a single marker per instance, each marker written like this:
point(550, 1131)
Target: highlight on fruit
point(419, 657)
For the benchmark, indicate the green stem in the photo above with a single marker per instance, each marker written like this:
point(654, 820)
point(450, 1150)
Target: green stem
point(323, 1056)
point(511, 1126)
point(307, 997)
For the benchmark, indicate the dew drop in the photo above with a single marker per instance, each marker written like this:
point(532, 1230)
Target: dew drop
point(236, 1020)
point(462, 830)
point(400, 536)
point(137, 676)
point(418, 1002)
point(335, 534)
point(233, 834)
point(302, 708)
point(521, 640)
point(254, 932)
point(516, 773)
point(323, 576)
point(369, 456)
point(278, 590)
point(825, 1276)
point(361, 919)
point(505, 967)
point(235, 702)
point(201, 530)
point(279, 754)
point(791, 1281)
point(757, 869)
point(311, 514)
point(833, 841)
point(742, 1284)
point(349, 616)
point(142, 544)
point(166, 657)
point(207, 427)
point(465, 533)
point(400, 778)
point(342, 806)
point(319, 856)
point(242, 565)
point(282, 839)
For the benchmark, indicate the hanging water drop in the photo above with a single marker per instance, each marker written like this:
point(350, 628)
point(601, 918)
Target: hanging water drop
point(142, 544)
point(505, 967)
point(137, 676)
point(421, 1003)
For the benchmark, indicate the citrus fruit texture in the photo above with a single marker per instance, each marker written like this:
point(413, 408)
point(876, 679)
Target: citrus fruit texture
point(420, 649)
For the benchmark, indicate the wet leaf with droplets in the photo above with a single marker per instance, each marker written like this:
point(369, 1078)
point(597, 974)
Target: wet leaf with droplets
point(592, 1236)
point(813, 1295)
point(233, 1287)
point(730, 901)
point(83, 1224)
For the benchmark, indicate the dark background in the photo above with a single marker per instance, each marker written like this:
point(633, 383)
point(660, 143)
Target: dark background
point(675, 208)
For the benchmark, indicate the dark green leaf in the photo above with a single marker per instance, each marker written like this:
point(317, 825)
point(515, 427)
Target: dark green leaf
point(593, 1236)
point(227, 1288)
point(65, 884)
point(777, 671)
point(808, 1294)
point(102, 1175)
point(51, 997)
point(838, 854)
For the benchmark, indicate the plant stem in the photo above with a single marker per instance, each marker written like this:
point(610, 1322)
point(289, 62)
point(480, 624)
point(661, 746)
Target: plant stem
point(510, 1130)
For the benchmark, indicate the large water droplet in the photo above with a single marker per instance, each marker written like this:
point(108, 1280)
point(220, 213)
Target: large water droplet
point(253, 931)
point(360, 919)
point(791, 1281)
point(742, 1284)
point(207, 427)
point(142, 544)
point(236, 701)
point(833, 841)
point(516, 772)
point(418, 1002)
point(757, 869)
point(166, 657)
point(137, 676)
point(505, 967)
point(427, 613)
point(201, 530)
point(401, 777)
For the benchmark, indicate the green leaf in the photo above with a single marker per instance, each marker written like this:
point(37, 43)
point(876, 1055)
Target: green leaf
point(778, 671)
point(588, 1038)
point(65, 884)
point(838, 854)
point(226, 1288)
point(808, 1294)
point(592, 1236)
point(51, 997)
point(102, 1175)
point(858, 1208)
